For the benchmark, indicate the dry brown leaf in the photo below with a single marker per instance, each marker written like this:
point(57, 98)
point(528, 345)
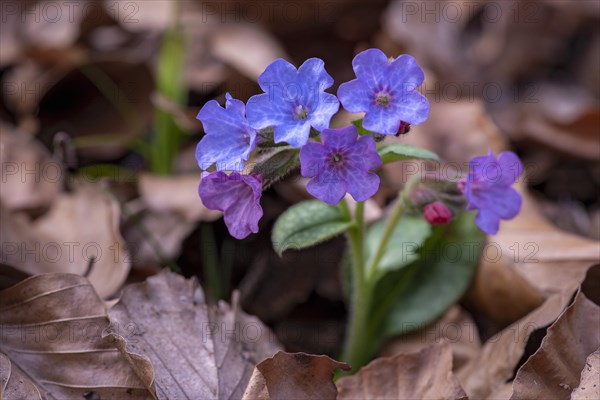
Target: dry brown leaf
point(295, 376)
point(169, 209)
point(175, 194)
point(554, 369)
point(456, 327)
point(494, 366)
point(197, 351)
point(423, 375)
point(52, 344)
point(567, 120)
point(246, 47)
point(589, 387)
point(80, 231)
point(555, 261)
point(31, 178)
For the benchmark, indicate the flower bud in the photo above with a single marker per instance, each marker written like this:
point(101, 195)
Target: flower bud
point(437, 213)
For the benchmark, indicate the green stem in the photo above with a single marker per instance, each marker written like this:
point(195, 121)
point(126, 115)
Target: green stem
point(393, 219)
point(360, 345)
point(357, 349)
point(210, 261)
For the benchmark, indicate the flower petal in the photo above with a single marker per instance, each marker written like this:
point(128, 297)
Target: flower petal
point(337, 139)
point(511, 167)
point(327, 186)
point(355, 96)
point(229, 139)
point(382, 120)
point(238, 196)
point(323, 111)
point(487, 221)
point(411, 107)
point(295, 133)
point(502, 201)
point(264, 110)
point(405, 73)
point(363, 153)
point(361, 184)
point(278, 76)
point(313, 71)
point(370, 66)
point(313, 156)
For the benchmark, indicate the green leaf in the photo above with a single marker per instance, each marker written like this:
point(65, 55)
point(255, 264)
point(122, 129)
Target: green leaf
point(414, 296)
point(397, 151)
point(307, 224)
point(409, 235)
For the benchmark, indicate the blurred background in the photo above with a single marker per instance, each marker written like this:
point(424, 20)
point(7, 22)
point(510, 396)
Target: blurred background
point(98, 130)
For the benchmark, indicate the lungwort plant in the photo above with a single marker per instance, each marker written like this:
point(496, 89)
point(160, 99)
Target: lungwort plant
point(403, 271)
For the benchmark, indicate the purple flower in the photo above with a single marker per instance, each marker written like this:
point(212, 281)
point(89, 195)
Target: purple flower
point(385, 91)
point(294, 100)
point(341, 165)
point(488, 189)
point(229, 139)
point(238, 196)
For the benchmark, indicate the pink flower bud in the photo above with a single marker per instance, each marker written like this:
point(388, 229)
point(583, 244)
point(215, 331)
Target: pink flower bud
point(437, 213)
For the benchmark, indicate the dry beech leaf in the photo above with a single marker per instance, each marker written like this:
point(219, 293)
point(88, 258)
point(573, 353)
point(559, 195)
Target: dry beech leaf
point(554, 370)
point(456, 327)
point(31, 178)
point(529, 259)
point(52, 344)
point(423, 375)
point(567, 120)
point(175, 194)
point(589, 387)
point(555, 259)
point(80, 231)
point(197, 351)
point(494, 366)
point(169, 209)
point(295, 376)
point(246, 47)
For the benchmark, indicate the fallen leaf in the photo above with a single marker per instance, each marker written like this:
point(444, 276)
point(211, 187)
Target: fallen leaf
point(196, 351)
point(168, 209)
point(52, 344)
point(175, 194)
point(494, 366)
point(79, 234)
point(455, 327)
point(554, 369)
point(295, 376)
point(231, 44)
point(589, 387)
point(31, 177)
point(423, 375)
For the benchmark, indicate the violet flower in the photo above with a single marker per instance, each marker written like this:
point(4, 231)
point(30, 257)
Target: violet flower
point(385, 90)
point(238, 196)
point(341, 165)
point(488, 189)
point(229, 139)
point(294, 100)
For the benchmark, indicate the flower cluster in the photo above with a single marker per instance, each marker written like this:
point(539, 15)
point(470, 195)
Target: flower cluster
point(294, 109)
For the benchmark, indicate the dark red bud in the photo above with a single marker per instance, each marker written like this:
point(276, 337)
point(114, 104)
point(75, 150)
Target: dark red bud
point(404, 128)
point(437, 213)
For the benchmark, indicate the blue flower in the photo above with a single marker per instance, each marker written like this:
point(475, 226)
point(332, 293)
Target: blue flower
point(238, 196)
point(341, 165)
point(229, 139)
point(386, 91)
point(294, 100)
point(488, 189)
